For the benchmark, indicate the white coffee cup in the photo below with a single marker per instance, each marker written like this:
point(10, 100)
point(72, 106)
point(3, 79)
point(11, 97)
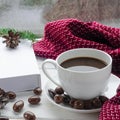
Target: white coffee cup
point(81, 84)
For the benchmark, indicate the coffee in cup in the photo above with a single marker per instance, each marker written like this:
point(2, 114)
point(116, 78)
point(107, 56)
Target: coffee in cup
point(83, 64)
point(83, 73)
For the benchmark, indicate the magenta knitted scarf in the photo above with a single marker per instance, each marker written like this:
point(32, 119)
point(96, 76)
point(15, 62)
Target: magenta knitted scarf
point(66, 34)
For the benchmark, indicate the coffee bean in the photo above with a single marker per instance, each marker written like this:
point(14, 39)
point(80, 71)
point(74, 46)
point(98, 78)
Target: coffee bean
point(34, 100)
point(2, 92)
point(17, 107)
point(29, 115)
point(11, 95)
point(3, 98)
point(71, 103)
point(78, 104)
point(88, 104)
point(96, 102)
point(66, 99)
point(59, 90)
point(37, 91)
point(2, 105)
point(103, 99)
point(4, 118)
point(58, 98)
point(51, 93)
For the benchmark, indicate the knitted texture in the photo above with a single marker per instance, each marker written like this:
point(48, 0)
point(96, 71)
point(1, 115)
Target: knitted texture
point(111, 108)
point(66, 34)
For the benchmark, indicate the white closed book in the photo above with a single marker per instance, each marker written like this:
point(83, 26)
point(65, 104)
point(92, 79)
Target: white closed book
point(18, 67)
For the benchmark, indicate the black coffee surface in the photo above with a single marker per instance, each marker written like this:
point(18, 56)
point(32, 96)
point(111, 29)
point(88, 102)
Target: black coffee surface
point(83, 64)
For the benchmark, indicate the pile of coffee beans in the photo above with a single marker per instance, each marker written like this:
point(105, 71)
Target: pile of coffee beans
point(60, 97)
point(5, 97)
point(35, 99)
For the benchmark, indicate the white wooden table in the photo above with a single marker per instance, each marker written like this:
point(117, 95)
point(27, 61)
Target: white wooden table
point(45, 110)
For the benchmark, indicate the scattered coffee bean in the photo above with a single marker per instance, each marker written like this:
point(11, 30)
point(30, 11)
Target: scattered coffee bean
point(71, 103)
point(51, 93)
point(34, 100)
point(37, 91)
point(88, 104)
point(17, 107)
point(103, 99)
point(29, 115)
point(4, 118)
point(78, 104)
point(58, 98)
point(66, 99)
point(2, 92)
point(4, 99)
point(59, 90)
point(2, 105)
point(96, 103)
point(11, 95)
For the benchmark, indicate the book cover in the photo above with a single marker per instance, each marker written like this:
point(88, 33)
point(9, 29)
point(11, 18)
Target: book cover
point(18, 67)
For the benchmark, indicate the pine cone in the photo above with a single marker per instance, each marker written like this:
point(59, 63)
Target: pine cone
point(12, 39)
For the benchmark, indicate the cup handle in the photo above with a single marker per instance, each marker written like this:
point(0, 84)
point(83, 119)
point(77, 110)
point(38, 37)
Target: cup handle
point(53, 62)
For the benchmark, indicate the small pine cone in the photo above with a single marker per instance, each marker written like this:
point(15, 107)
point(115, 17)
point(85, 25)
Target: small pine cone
point(10, 33)
point(12, 40)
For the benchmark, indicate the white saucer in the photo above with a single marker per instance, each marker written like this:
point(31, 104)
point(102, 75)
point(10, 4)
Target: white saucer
point(111, 91)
